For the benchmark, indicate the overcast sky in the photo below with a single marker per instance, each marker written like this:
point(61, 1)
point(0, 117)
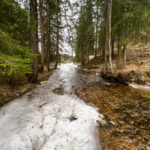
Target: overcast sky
point(69, 32)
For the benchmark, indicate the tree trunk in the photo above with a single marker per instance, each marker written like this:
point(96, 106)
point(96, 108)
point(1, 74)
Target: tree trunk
point(33, 39)
point(96, 48)
point(42, 34)
point(103, 48)
point(57, 42)
point(118, 55)
point(125, 55)
point(82, 56)
point(47, 50)
point(105, 58)
point(87, 53)
point(106, 40)
point(109, 13)
point(113, 48)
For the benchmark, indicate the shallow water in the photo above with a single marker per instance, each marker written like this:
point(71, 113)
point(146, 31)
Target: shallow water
point(128, 107)
point(44, 120)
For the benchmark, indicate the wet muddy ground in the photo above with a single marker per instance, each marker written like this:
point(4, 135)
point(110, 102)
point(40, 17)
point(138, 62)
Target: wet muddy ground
point(126, 125)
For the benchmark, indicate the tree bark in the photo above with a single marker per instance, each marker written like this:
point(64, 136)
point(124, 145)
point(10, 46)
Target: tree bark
point(87, 50)
point(103, 47)
point(106, 39)
point(48, 45)
point(113, 48)
point(109, 13)
point(118, 55)
point(42, 34)
point(105, 54)
point(33, 38)
point(125, 55)
point(96, 48)
point(57, 41)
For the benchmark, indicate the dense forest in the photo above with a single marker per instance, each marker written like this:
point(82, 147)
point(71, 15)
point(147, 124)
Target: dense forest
point(101, 27)
point(30, 37)
point(105, 28)
point(77, 73)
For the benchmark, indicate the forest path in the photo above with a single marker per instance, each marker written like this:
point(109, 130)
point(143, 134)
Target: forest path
point(44, 120)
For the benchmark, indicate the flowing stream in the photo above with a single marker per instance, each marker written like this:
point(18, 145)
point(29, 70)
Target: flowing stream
point(44, 120)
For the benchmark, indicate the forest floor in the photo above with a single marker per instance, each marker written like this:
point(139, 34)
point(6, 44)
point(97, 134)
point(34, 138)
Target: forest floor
point(126, 110)
point(7, 94)
point(137, 69)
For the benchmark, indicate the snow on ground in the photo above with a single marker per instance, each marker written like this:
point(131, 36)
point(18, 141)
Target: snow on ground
point(142, 87)
point(41, 119)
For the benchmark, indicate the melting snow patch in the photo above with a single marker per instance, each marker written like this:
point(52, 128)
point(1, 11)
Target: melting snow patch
point(43, 122)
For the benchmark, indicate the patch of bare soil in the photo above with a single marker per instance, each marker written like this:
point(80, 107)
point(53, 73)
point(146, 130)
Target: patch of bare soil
point(7, 94)
point(126, 125)
point(59, 90)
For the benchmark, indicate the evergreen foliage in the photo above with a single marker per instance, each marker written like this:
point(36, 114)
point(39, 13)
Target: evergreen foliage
point(85, 33)
point(130, 23)
point(15, 56)
point(95, 31)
